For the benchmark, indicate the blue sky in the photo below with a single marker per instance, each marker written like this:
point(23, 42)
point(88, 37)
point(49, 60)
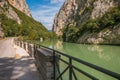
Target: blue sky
point(44, 10)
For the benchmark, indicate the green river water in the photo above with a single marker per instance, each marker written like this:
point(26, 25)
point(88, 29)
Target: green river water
point(105, 56)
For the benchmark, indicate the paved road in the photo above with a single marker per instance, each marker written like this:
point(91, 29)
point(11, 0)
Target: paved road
point(6, 48)
point(15, 63)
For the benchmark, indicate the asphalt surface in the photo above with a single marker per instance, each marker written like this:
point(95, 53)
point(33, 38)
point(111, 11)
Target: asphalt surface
point(7, 48)
point(15, 63)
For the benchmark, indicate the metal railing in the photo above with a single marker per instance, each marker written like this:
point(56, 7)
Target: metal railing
point(71, 67)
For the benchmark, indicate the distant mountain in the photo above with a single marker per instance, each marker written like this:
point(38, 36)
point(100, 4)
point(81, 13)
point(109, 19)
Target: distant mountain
point(89, 21)
point(16, 20)
point(50, 30)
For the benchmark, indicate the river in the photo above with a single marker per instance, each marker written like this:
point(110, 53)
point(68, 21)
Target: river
point(105, 56)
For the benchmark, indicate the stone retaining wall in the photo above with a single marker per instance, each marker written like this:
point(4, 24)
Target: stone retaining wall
point(44, 63)
point(43, 59)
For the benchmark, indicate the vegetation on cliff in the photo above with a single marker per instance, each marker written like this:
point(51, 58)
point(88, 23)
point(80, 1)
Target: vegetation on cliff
point(108, 20)
point(69, 33)
point(29, 28)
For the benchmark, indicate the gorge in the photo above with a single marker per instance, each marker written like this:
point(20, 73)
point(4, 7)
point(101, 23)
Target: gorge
point(78, 21)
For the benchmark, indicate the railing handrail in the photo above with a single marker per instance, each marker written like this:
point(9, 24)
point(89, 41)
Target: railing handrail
point(105, 71)
point(70, 66)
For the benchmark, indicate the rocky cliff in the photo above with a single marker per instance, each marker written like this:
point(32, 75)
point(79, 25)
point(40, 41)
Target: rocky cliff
point(21, 5)
point(6, 9)
point(16, 20)
point(89, 21)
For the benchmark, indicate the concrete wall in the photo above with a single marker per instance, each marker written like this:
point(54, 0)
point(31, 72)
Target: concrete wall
point(44, 63)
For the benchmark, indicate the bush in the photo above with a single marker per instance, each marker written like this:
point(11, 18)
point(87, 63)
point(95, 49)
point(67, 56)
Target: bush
point(111, 18)
point(9, 26)
point(91, 24)
point(69, 34)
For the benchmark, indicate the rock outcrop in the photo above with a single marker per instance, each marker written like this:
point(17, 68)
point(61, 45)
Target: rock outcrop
point(8, 11)
point(78, 12)
point(21, 5)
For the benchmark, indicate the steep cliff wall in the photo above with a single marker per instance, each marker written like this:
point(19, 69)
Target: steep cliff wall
point(87, 16)
point(64, 17)
point(21, 5)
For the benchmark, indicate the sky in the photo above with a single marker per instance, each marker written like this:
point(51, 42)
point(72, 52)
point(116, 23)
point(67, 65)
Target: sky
point(44, 11)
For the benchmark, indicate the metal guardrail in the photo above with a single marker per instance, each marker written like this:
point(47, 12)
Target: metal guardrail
point(71, 67)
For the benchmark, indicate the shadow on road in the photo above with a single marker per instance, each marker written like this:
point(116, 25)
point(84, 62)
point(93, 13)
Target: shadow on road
point(18, 69)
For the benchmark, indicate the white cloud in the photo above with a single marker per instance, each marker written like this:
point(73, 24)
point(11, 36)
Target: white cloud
point(57, 1)
point(45, 13)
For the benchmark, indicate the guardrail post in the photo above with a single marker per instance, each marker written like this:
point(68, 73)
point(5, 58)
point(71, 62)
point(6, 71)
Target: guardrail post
point(24, 44)
point(70, 69)
point(29, 48)
point(54, 68)
point(20, 44)
point(17, 43)
point(34, 49)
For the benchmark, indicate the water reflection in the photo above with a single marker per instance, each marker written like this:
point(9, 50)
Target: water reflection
point(100, 52)
point(59, 45)
point(95, 48)
point(102, 55)
point(103, 52)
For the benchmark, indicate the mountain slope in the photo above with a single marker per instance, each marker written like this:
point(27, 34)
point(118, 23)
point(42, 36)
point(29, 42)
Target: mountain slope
point(17, 23)
point(89, 21)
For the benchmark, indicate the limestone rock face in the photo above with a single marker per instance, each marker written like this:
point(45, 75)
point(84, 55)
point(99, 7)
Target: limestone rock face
point(21, 5)
point(12, 15)
point(77, 12)
point(63, 17)
point(8, 11)
point(101, 7)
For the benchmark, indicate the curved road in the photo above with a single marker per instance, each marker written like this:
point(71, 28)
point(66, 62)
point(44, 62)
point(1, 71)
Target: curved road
point(15, 63)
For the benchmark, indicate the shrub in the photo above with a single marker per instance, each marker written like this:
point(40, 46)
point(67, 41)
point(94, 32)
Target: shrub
point(111, 18)
point(69, 34)
point(91, 24)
